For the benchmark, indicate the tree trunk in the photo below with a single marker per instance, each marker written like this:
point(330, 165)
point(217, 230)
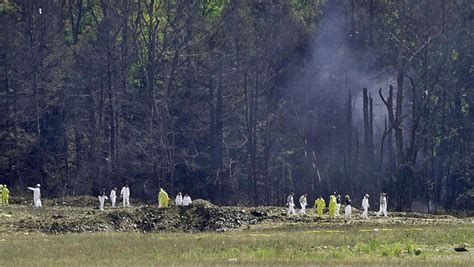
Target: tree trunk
point(371, 23)
point(400, 155)
point(371, 134)
point(366, 130)
point(399, 104)
point(253, 153)
point(307, 147)
point(349, 155)
point(216, 134)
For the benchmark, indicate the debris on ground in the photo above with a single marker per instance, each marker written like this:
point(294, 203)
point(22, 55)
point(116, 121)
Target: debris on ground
point(462, 247)
point(80, 214)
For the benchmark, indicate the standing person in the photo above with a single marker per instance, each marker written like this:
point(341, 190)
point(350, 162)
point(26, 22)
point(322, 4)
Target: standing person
point(36, 195)
point(5, 195)
point(113, 197)
point(1, 194)
point(163, 199)
point(332, 205)
point(338, 205)
point(303, 203)
point(365, 206)
point(187, 200)
point(102, 198)
point(125, 194)
point(383, 205)
point(179, 199)
point(319, 204)
point(348, 209)
point(291, 204)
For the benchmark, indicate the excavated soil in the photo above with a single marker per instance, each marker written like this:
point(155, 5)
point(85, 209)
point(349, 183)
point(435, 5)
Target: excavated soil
point(80, 214)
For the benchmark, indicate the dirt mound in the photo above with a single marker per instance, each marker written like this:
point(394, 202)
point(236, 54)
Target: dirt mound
point(76, 201)
point(80, 214)
point(70, 201)
point(79, 201)
point(20, 200)
point(196, 218)
point(62, 224)
point(203, 203)
point(202, 216)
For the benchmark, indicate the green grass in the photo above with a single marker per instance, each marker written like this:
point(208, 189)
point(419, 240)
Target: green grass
point(340, 245)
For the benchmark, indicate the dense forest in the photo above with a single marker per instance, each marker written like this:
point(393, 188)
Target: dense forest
point(240, 102)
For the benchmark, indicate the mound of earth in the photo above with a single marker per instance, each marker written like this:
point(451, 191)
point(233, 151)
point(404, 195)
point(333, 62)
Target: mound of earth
point(81, 214)
point(76, 201)
point(201, 216)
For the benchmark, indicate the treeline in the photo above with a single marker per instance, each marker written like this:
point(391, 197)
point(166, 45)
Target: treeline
point(225, 99)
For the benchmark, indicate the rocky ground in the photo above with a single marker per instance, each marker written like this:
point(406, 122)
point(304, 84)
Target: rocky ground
point(80, 214)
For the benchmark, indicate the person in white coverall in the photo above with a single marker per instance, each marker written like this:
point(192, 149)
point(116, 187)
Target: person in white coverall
point(383, 205)
point(303, 203)
point(102, 198)
point(187, 200)
point(36, 195)
point(113, 197)
point(291, 204)
point(348, 209)
point(365, 206)
point(125, 194)
point(179, 199)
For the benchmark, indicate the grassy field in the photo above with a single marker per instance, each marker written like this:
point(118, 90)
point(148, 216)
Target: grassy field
point(285, 244)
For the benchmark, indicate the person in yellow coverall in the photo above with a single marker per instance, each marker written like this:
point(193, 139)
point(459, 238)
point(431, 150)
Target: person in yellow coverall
point(319, 204)
point(332, 205)
point(163, 199)
point(5, 195)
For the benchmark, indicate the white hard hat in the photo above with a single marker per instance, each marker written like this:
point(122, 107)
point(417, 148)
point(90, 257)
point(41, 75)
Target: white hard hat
point(38, 185)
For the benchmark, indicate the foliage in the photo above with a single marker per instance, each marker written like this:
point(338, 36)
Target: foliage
point(238, 101)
